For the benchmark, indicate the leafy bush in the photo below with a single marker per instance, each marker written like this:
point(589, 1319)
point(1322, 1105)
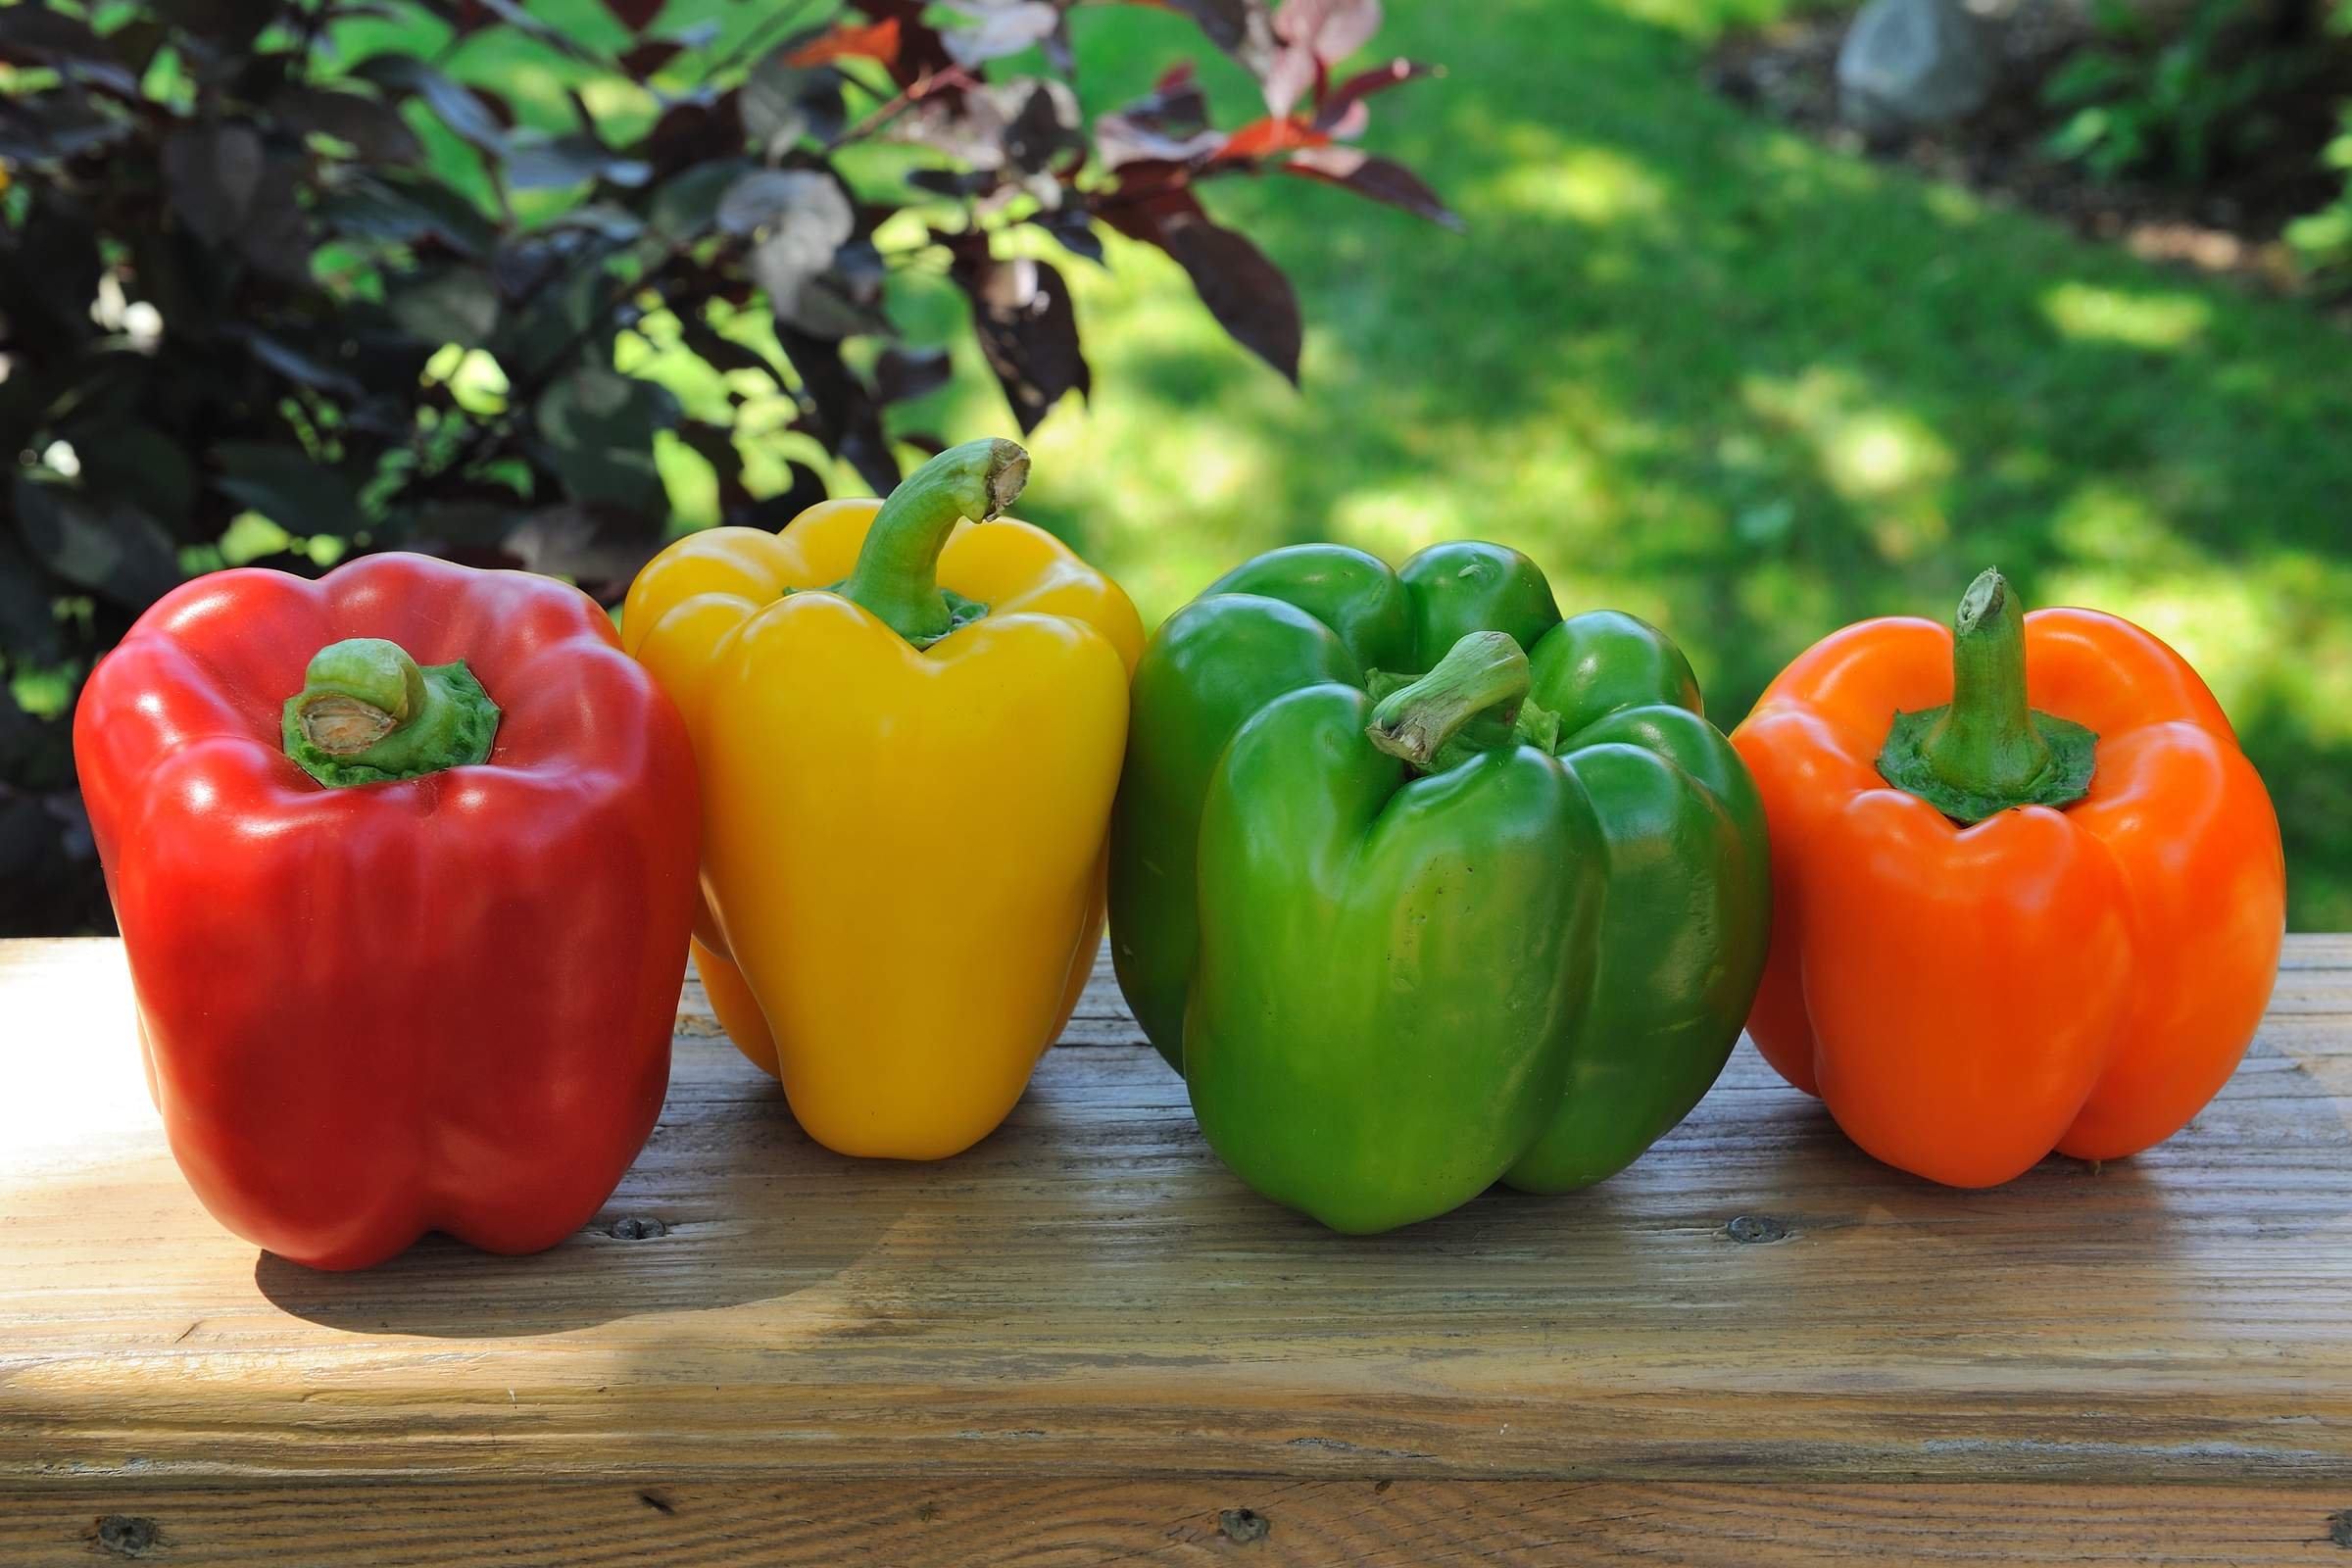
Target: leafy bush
point(2177, 104)
point(244, 319)
point(2188, 100)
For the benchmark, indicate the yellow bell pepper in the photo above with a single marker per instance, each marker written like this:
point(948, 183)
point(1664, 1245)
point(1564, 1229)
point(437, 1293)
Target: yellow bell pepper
point(909, 730)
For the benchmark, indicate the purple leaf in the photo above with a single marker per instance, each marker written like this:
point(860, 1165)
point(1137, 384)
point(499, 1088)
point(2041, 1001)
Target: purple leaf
point(1170, 123)
point(1382, 179)
point(1022, 314)
point(1337, 113)
point(372, 127)
point(636, 15)
point(1074, 227)
point(904, 375)
point(840, 411)
point(214, 173)
point(647, 58)
point(1239, 28)
point(36, 35)
point(462, 108)
point(1046, 125)
point(1246, 292)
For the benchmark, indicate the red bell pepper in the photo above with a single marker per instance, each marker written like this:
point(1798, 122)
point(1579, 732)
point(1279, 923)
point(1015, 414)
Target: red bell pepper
point(405, 941)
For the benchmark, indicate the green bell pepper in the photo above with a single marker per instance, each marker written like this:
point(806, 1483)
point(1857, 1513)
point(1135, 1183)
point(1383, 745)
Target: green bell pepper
point(1414, 909)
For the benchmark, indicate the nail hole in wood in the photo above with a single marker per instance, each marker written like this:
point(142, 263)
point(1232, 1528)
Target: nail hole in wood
point(634, 1229)
point(1756, 1228)
point(1243, 1526)
point(129, 1534)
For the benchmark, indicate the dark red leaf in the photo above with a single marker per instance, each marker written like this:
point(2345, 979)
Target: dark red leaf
point(720, 352)
point(1364, 84)
point(1046, 126)
point(470, 112)
point(903, 375)
point(1170, 122)
point(921, 51)
point(1381, 179)
point(372, 127)
point(689, 134)
point(1022, 315)
point(1247, 293)
point(636, 15)
point(1073, 226)
point(841, 410)
point(647, 58)
point(1239, 28)
point(35, 36)
point(213, 175)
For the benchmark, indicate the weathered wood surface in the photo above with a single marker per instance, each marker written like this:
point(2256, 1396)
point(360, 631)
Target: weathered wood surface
point(1084, 1342)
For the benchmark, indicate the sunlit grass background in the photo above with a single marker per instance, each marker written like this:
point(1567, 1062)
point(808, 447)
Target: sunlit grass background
point(1698, 367)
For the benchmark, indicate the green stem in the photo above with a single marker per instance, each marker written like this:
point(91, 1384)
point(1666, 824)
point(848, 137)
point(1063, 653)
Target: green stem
point(1988, 750)
point(897, 575)
point(1986, 740)
point(1485, 672)
point(368, 713)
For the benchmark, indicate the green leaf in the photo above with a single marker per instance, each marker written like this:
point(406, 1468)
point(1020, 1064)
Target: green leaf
point(289, 487)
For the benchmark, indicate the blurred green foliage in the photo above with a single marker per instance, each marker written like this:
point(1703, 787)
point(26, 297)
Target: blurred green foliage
point(1751, 388)
point(1706, 370)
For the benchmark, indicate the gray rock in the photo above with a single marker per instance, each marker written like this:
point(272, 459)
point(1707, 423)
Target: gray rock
point(1909, 65)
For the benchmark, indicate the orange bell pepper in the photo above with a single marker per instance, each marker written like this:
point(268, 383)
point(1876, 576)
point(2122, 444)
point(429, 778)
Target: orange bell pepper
point(2000, 930)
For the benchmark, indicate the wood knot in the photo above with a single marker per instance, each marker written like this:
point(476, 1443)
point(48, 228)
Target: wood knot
point(634, 1229)
point(1243, 1526)
point(2340, 1529)
point(1755, 1229)
point(129, 1534)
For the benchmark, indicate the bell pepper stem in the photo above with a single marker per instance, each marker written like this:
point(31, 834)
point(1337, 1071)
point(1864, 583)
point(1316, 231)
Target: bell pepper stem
point(896, 575)
point(1487, 672)
point(368, 713)
point(1988, 751)
point(1987, 740)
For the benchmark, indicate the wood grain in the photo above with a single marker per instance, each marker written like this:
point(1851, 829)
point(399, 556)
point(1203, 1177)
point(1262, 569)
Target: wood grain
point(1088, 1307)
point(1263, 1523)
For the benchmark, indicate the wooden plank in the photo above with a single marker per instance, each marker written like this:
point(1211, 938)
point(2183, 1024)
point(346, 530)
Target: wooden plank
point(1085, 1522)
point(1089, 1294)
